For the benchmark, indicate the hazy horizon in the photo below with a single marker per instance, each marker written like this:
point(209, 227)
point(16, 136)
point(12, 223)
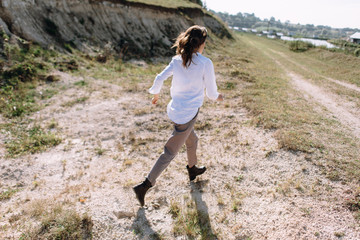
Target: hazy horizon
point(333, 13)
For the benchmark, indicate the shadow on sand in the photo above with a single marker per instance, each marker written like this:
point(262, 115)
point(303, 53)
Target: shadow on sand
point(202, 210)
point(142, 227)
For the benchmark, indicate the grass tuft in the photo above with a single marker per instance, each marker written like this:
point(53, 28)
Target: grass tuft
point(61, 223)
point(24, 140)
point(5, 195)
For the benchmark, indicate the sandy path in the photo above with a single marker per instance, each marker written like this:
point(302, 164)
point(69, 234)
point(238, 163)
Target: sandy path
point(349, 117)
point(342, 83)
point(252, 189)
point(341, 109)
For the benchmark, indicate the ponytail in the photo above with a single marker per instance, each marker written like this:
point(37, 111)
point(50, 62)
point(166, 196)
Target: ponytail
point(189, 42)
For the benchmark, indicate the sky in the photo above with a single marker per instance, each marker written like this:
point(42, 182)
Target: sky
point(333, 13)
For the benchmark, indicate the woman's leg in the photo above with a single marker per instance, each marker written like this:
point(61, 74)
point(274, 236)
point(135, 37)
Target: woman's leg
point(191, 146)
point(172, 147)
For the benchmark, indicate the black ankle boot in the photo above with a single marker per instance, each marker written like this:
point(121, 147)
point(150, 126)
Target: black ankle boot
point(195, 171)
point(141, 189)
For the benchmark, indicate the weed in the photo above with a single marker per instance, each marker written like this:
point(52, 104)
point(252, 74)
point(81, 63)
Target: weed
point(28, 140)
point(140, 112)
point(299, 187)
point(239, 178)
point(5, 195)
point(48, 93)
point(354, 205)
point(81, 83)
point(204, 125)
point(128, 162)
point(284, 188)
point(100, 151)
point(306, 211)
point(339, 234)
point(60, 223)
point(300, 46)
point(227, 86)
point(74, 102)
point(174, 209)
point(52, 124)
point(190, 221)
point(220, 200)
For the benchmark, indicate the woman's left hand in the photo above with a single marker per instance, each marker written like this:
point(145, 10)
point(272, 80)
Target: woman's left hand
point(155, 99)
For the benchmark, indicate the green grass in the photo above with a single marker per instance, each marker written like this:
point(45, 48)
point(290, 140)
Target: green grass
point(5, 195)
point(23, 71)
point(60, 223)
point(74, 102)
point(320, 61)
point(23, 138)
point(189, 221)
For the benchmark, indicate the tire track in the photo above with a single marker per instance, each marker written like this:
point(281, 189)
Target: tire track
point(335, 105)
point(342, 83)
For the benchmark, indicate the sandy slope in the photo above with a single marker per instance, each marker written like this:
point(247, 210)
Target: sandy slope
point(278, 194)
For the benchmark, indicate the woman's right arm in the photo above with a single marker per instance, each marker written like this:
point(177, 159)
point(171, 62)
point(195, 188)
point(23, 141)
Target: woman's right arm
point(210, 82)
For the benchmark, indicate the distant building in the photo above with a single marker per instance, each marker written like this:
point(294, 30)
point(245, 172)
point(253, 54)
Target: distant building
point(355, 38)
point(235, 28)
point(279, 35)
point(291, 34)
point(253, 30)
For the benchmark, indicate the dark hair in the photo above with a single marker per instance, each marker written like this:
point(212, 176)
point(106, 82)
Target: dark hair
point(188, 42)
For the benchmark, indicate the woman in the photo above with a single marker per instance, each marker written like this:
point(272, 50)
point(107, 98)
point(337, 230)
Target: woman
point(192, 73)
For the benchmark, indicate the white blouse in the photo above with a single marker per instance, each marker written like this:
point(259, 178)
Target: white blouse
point(187, 86)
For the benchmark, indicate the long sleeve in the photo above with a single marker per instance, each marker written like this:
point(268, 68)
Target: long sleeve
point(210, 81)
point(160, 78)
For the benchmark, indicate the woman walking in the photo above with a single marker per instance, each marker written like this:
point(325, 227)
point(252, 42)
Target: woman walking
point(192, 73)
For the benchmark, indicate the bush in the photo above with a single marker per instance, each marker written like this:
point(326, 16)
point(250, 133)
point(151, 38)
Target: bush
point(25, 72)
point(300, 46)
point(357, 52)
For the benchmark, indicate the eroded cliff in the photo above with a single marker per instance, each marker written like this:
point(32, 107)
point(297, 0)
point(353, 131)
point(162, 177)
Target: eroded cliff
point(133, 28)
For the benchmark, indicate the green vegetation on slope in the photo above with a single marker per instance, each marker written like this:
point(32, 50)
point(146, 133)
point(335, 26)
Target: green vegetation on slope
point(23, 69)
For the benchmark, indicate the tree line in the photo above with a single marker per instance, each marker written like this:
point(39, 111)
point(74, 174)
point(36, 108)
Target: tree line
point(247, 20)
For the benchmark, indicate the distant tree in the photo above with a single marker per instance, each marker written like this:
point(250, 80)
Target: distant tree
point(249, 20)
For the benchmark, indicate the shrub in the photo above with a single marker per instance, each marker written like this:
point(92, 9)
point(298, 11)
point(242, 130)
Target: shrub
point(300, 46)
point(25, 72)
point(357, 52)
